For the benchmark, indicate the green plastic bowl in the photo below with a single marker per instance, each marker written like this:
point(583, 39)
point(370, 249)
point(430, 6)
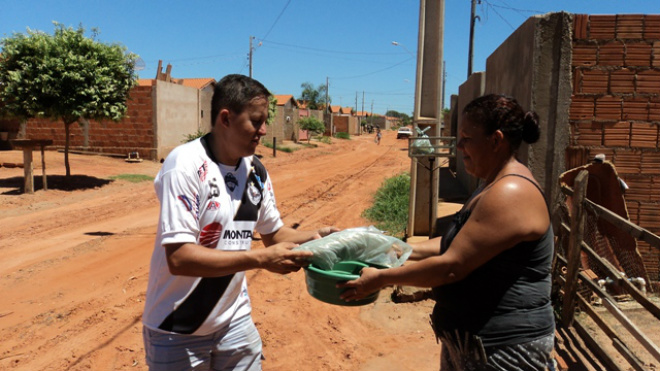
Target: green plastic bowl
point(322, 284)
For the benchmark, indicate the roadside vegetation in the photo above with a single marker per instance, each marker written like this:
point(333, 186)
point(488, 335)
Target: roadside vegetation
point(389, 211)
point(133, 178)
point(268, 144)
point(342, 135)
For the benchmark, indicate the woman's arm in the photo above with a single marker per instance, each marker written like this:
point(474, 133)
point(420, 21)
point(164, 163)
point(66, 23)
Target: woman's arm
point(511, 212)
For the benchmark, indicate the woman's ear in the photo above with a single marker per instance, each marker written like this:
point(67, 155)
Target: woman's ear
point(497, 137)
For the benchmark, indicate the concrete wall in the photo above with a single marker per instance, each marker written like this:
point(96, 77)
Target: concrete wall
point(205, 97)
point(177, 115)
point(472, 88)
point(533, 66)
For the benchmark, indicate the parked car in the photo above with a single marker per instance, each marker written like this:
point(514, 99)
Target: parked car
point(404, 132)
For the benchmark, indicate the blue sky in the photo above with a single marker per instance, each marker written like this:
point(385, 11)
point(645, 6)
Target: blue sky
point(296, 41)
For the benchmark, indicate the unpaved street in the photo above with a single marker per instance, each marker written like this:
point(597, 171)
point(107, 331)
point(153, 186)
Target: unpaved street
point(74, 267)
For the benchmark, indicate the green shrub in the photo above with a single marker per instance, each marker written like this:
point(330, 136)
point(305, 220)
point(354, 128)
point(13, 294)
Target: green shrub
point(190, 137)
point(389, 211)
point(268, 144)
point(342, 135)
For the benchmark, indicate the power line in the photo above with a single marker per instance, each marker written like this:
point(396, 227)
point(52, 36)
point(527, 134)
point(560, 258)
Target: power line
point(519, 10)
point(372, 73)
point(277, 19)
point(499, 15)
point(325, 50)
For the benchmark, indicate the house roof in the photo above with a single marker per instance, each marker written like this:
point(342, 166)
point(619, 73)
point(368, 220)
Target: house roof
point(334, 109)
point(347, 109)
point(362, 114)
point(282, 99)
point(146, 82)
point(198, 83)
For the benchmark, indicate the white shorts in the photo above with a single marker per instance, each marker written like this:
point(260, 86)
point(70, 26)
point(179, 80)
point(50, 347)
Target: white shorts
point(235, 348)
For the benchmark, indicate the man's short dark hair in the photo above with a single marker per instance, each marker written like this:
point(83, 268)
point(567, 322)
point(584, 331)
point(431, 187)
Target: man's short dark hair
point(234, 92)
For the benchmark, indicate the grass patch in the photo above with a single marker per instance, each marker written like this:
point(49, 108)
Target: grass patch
point(342, 135)
point(308, 145)
point(279, 148)
point(389, 211)
point(133, 178)
point(323, 139)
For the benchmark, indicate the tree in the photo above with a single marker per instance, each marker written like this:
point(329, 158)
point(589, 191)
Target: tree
point(405, 119)
point(312, 124)
point(65, 76)
point(313, 97)
point(272, 109)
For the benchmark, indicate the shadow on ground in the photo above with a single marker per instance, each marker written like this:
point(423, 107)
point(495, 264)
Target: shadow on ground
point(55, 182)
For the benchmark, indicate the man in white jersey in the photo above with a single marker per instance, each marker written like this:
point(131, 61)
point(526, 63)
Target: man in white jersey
point(214, 193)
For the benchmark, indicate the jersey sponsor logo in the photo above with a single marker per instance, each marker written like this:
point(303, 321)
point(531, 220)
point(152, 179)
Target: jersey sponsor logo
point(202, 171)
point(231, 181)
point(210, 235)
point(213, 205)
point(253, 193)
point(215, 190)
point(237, 235)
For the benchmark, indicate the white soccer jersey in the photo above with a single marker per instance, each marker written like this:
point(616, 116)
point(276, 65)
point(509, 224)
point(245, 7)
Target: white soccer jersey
point(215, 206)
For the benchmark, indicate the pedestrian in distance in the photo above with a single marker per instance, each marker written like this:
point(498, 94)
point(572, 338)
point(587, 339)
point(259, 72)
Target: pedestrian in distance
point(378, 136)
point(213, 194)
point(491, 272)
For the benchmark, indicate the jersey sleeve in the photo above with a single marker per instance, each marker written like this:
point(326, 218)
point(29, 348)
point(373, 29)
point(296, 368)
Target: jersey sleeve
point(269, 220)
point(179, 211)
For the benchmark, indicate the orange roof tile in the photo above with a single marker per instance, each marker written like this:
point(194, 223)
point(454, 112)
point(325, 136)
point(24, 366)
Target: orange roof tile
point(145, 82)
point(197, 83)
point(282, 99)
point(334, 109)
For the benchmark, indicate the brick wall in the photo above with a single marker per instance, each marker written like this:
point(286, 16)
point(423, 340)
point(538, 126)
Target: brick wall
point(615, 109)
point(135, 133)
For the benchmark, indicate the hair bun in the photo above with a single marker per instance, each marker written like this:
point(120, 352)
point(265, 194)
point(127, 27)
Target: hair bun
point(531, 131)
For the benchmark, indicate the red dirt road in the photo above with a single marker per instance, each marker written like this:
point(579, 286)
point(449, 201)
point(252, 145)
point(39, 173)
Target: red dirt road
point(75, 263)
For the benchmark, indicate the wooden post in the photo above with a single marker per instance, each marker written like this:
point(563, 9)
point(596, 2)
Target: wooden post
point(43, 168)
point(274, 147)
point(574, 246)
point(28, 170)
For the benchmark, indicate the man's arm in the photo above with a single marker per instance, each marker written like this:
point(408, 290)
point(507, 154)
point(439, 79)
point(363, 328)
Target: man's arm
point(189, 259)
point(288, 234)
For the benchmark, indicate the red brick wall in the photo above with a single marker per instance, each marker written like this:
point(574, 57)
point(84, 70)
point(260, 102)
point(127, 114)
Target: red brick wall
point(135, 133)
point(615, 109)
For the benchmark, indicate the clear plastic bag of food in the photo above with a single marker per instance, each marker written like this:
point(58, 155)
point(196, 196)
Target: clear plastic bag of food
point(365, 244)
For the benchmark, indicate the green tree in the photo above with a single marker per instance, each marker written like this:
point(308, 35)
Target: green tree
point(272, 109)
point(313, 97)
point(65, 76)
point(405, 119)
point(311, 124)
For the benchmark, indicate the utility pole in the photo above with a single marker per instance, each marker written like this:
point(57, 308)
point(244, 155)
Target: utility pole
point(359, 128)
point(327, 104)
point(363, 109)
point(470, 47)
point(444, 82)
point(251, 49)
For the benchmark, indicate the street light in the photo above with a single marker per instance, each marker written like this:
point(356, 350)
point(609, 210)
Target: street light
point(395, 43)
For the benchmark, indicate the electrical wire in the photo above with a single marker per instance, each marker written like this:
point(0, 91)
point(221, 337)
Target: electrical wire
point(277, 19)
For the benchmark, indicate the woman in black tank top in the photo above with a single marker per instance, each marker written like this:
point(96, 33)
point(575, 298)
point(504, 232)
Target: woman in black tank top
point(491, 276)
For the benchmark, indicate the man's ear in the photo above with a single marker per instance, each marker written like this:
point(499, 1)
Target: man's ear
point(223, 118)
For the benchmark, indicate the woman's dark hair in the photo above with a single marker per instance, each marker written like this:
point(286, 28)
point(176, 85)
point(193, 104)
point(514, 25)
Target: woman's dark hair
point(499, 112)
point(234, 92)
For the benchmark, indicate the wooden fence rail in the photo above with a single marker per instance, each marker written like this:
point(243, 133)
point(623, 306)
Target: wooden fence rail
point(573, 277)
